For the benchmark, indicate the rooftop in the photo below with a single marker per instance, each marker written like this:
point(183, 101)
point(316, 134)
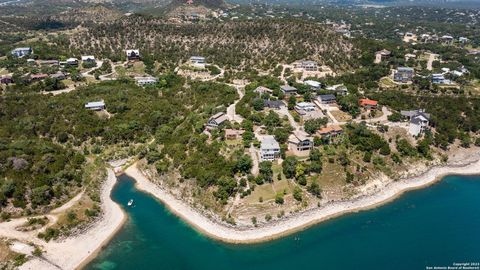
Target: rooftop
point(269, 142)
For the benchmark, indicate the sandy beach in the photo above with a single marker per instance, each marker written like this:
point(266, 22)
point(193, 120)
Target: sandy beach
point(302, 220)
point(76, 251)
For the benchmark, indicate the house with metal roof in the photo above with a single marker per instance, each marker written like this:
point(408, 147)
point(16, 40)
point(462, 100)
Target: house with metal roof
point(288, 90)
point(327, 99)
point(95, 105)
point(21, 52)
point(419, 121)
point(269, 149)
point(144, 81)
point(216, 120)
point(403, 74)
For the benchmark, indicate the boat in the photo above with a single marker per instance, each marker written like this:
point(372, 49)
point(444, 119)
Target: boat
point(130, 203)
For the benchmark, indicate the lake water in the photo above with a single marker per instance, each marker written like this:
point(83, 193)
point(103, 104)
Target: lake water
point(435, 226)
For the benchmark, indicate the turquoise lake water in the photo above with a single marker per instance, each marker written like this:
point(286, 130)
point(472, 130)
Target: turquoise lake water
point(435, 226)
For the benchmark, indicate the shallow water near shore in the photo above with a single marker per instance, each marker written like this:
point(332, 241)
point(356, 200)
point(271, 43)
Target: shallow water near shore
point(435, 226)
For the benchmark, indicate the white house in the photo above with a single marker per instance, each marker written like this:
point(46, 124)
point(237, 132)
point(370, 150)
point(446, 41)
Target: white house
point(338, 88)
point(72, 61)
point(263, 90)
point(419, 121)
point(198, 61)
point(305, 106)
point(88, 58)
point(133, 54)
point(95, 106)
point(269, 149)
point(306, 65)
point(21, 52)
point(143, 81)
point(314, 85)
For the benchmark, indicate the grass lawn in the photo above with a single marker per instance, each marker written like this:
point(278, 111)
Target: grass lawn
point(3, 71)
point(277, 169)
point(332, 175)
point(386, 82)
point(264, 191)
point(341, 116)
point(282, 185)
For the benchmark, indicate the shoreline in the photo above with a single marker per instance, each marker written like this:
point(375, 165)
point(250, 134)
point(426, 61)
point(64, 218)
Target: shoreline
point(302, 220)
point(77, 251)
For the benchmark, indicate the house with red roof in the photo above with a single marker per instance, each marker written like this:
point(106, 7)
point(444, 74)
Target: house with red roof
point(368, 104)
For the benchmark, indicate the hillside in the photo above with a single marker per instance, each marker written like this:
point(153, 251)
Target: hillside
point(184, 8)
point(234, 45)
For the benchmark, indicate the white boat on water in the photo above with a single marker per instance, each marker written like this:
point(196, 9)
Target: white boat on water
point(130, 203)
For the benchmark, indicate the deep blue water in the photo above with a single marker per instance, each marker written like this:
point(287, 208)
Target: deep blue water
point(435, 226)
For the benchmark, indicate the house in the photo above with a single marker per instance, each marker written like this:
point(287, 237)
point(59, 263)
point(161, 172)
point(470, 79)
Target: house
point(216, 120)
point(368, 104)
point(340, 89)
point(305, 107)
point(403, 74)
point(314, 85)
point(462, 40)
point(447, 39)
point(21, 52)
point(273, 104)
point(409, 56)
point(419, 121)
point(59, 76)
point(133, 55)
point(72, 61)
point(88, 58)
point(300, 142)
point(49, 63)
point(327, 99)
point(198, 60)
point(233, 134)
point(6, 80)
point(409, 37)
point(143, 81)
point(380, 55)
point(263, 90)
point(269, 149)
point(306, 65)
point(38, 77)
point(288, 90)
point(440, 79)
point(330, 132)
point(95, 106)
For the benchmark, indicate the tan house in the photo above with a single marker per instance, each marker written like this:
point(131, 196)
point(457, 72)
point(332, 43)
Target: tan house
point(300, 143)
point(233, 134)
point(330, 132)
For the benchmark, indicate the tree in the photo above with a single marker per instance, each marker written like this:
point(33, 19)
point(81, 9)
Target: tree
point(297, 193)
point(292, 101)
point(258, 104)
point(312, 125)
point(315, 155)
point(315, 189)
point(279, 198)
point(244, 164)
point(272, 119)
point(265, 170)
point(289, 167)
point(385, 150)
point(316, 166)
point(281, 135)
